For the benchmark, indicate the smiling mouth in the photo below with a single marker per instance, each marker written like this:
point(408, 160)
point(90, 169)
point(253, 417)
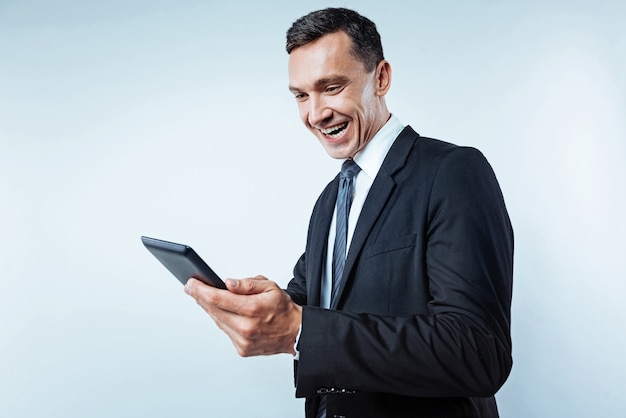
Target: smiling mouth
point(334, 131)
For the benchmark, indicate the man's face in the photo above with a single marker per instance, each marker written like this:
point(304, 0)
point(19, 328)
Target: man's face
point(339, 102)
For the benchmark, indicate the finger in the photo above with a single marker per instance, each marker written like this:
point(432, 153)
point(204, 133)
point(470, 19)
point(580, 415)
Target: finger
point(214, 300)
point(188, 288)
point(222, 312)
point(206, 296)
point(194, 287)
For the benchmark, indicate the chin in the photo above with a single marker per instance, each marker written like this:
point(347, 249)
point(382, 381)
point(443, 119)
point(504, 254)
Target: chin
point(338, 154)
point(340, 150)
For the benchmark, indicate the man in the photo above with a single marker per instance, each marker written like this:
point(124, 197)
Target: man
point(400, 305)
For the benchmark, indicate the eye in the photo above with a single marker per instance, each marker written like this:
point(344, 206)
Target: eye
point(333, 89)
point(300, 96)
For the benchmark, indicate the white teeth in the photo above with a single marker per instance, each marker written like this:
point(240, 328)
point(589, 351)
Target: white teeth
point(334, 131)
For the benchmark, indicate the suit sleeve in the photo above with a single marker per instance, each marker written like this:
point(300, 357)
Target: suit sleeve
point(461, 346)
point(297, 286)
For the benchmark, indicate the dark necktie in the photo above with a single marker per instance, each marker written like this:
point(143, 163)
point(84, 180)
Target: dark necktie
point(349, 170)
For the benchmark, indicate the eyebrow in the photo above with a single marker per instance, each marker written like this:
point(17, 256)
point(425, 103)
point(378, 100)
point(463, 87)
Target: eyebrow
point(339, 79)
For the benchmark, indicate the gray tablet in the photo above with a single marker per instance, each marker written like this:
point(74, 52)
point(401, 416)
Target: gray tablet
point(182, 261)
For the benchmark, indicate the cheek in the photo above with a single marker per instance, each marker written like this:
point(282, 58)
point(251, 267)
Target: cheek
point(368, 99)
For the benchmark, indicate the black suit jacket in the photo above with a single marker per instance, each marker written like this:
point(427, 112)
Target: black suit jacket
point(421, 324)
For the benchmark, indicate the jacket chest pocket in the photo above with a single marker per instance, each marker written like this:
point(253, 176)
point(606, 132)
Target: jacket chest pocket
point(390, 246)
point(389, 279)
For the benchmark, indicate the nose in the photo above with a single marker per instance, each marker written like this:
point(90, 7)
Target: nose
point(318, 110)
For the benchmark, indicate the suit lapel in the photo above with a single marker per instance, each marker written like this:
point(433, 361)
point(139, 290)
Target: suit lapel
point(379, 193)
point(318, 239)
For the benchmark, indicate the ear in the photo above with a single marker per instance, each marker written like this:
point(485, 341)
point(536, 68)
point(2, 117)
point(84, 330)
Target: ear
point(383, 77)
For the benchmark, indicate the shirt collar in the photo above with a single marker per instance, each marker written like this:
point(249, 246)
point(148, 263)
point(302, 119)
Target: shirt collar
point(371, 158)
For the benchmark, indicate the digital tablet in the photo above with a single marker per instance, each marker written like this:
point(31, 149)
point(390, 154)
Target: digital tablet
point(182, 261)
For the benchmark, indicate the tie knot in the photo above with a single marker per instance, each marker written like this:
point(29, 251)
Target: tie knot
point(349, 169)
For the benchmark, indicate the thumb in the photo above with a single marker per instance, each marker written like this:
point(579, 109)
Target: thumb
point(248, 286)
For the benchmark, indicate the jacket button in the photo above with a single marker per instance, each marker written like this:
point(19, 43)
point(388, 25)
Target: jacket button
point(322, 391)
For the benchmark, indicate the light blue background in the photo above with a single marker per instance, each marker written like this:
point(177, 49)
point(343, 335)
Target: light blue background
point(173, 119)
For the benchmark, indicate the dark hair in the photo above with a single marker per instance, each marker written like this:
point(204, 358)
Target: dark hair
point(366, 45)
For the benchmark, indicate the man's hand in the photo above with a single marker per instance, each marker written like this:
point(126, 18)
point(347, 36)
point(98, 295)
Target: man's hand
point(257, 315)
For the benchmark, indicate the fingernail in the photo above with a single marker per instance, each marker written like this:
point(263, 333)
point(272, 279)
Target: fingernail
point(188, 288)
point(232, 283)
